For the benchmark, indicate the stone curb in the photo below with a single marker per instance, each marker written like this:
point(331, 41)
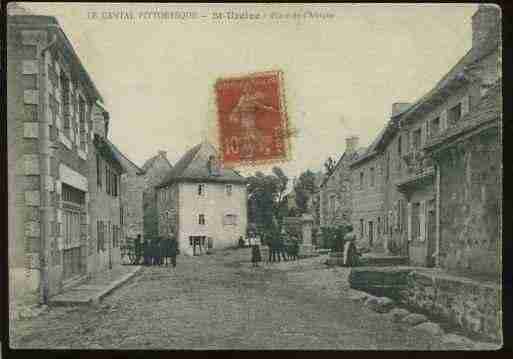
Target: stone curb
point(96, 298)
point(116, 284)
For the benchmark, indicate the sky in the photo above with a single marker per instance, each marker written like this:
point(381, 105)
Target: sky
point(341, 74)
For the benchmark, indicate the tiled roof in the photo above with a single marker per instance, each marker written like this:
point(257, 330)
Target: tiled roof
point(121, 156)
point(359, 152)
point(150, 162)
point(488, 109)
point(457, 72)
point(372, 148)
point(193, 167)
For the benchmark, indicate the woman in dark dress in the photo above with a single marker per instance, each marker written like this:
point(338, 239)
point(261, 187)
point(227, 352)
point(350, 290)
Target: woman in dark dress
point(256, 256)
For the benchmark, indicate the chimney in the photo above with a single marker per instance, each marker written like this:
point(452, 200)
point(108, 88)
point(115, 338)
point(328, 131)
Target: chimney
point(398, 107)
point(163, 154)
point(485, 20)
point(351, 144)
point(100, 121)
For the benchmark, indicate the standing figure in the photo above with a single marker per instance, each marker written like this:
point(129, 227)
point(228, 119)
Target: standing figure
point(146, 252)
point(281, 245)
point(172, 250)
point(256, 256)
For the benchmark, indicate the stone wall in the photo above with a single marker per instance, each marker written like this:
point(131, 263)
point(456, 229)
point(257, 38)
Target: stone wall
point(167, 207)
point(338, 186)
point(132, 188)
point(470, 305)
point(470, 206)
point(368, 204)
point(153, 176)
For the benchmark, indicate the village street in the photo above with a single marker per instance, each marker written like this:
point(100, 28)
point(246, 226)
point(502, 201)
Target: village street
point(219, 302)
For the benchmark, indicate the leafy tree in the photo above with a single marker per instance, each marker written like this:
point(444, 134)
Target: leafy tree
point(265, 199)
point(304, 189)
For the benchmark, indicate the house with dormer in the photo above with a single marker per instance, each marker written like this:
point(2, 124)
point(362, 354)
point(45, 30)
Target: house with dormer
point(202, 203)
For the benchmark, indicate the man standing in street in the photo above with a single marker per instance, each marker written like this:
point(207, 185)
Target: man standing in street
point(172, 250)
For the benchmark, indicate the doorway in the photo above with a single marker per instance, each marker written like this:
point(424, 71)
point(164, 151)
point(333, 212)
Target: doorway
point(431, 240)
point(371, 233)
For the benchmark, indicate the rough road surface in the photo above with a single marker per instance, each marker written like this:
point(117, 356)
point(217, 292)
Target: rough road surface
point(220, 302)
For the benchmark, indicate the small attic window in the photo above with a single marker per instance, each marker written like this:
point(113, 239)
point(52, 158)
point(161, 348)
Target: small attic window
point(213, 166)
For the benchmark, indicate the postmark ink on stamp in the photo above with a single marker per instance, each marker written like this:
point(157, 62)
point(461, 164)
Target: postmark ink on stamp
point(252, 119)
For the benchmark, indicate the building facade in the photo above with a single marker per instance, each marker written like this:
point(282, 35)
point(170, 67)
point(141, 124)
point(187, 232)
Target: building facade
point(200, 202)
point(155, 169)
point(49, 97)
point(412, 201)
point(367, 197)
point(335, 192)
point(105, 225)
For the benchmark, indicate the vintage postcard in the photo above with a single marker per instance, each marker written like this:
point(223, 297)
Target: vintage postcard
point(254, 176)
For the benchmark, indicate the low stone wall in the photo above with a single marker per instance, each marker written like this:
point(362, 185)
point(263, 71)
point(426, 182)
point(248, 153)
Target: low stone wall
point(473, 306)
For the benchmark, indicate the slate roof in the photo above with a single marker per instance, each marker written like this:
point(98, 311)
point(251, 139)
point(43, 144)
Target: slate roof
point(193, 167)
point(372, 149)
point(121, 156)
point(104, 147)
point(150, 162)
point(489, 109)
point(457, 72)
point(359, 152)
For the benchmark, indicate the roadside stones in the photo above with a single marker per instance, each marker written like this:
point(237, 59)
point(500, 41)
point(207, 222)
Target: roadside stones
point(398, 314)
point(430, 328)
point(379, 304)
point(414, 319)
point(486, 346)
point(358, 296)
point(457, 342)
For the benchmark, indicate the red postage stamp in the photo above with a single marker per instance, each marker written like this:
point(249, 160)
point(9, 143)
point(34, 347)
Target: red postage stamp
point(252, 119)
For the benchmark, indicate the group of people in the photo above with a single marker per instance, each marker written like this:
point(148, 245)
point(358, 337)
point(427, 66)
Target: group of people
point(280, 247)
point(157, 251)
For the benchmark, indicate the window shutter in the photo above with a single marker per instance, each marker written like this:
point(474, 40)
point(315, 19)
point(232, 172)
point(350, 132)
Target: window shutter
point(423, 136)
point(421, 220)
point(465, 105)
point(443, 121)
point(409, 221)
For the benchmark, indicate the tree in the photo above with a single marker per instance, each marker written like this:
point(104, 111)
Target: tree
point(265, 199)
point(304, 188)
point(329, 165)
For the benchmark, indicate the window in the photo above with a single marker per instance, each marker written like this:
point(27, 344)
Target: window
point(228, 189)
point(332, 202)
point(65, 100)
point(29, 82)
point(30, 112)
point(100, 236)
point(372, 179)
point(98, 172)
point(454, 114)
point(201, 219)
point(434, 127)
point(415, 220)
point(361, 228)
point(29, 52)
point(201, 189)
point(361, 180)
point(72, 195)
point(230, 219)
point(107, 179)
point(82, 120)
point(417, 135)
point(71, 227)
point(121, 212)
point(115, 236)
point(387, 166)
point(379, 226)
point(399, 146)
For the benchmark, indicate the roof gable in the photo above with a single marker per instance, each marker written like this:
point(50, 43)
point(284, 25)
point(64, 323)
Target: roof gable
point(193, 166)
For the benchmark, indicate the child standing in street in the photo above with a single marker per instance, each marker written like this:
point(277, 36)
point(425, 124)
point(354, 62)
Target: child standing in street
point(256, 257)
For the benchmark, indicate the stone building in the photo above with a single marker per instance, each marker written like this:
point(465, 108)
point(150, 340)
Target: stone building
point(155, 169)
point(367, 173)
point(105, 225)
point(49, 101)
point(445, 106)
point(199, 201)
point(336, 189)
point(132, 189)
point(469, 162)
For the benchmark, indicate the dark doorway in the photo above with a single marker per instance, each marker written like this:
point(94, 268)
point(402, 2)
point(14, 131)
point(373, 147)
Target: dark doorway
point(431, 239)
point(371, 233)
